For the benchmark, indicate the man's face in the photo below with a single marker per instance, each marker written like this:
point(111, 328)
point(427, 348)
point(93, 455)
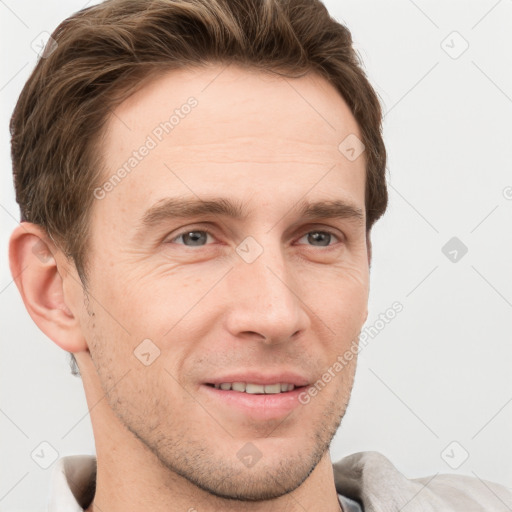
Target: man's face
point(272, 297)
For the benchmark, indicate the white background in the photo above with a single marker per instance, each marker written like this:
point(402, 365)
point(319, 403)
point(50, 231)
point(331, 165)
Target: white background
point(440, 371)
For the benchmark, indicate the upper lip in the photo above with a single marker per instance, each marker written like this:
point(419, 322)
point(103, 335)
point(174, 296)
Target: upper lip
point(261, 378)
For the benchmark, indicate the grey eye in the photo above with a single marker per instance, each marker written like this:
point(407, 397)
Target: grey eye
point(193, 238)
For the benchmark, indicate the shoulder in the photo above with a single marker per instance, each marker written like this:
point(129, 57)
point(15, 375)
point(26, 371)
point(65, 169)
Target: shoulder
point(371, 478)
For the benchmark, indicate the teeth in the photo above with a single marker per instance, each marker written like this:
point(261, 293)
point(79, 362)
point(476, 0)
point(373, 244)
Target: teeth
point(272, 388)
point(238, 386)
point(255, 389)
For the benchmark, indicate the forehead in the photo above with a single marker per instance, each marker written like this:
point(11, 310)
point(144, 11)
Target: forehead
point(233, 130)
point(234, 101)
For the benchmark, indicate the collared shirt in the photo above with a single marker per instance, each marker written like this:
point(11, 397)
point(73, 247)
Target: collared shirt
point(365, 482)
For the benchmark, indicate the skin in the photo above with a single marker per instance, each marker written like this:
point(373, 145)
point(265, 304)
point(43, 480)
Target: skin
point(162, 443)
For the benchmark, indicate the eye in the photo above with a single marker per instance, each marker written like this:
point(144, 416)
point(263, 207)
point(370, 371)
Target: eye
point(196, 237)
point(320, 238)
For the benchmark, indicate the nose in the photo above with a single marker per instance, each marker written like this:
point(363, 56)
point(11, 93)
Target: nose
point(265, 299)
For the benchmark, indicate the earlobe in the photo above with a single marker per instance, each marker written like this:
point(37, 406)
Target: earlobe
point(34, 266)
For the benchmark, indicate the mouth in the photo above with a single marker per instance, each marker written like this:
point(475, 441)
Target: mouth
point(252, 388)
point(257, 398)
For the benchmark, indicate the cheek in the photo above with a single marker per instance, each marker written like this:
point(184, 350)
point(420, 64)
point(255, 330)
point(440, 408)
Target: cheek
point(129, 299)
point(342, 292)
point(340, 309)
point(145, 317)
point(144, 286)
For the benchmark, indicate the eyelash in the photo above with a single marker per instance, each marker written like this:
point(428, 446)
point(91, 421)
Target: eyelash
point(202, 230)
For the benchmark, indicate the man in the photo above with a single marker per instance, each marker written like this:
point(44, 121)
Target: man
point(198, 181)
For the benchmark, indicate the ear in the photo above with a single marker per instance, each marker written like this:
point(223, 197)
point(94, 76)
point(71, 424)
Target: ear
point(33, 260)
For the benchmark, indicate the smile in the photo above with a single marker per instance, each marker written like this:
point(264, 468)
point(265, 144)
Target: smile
point(254, 389)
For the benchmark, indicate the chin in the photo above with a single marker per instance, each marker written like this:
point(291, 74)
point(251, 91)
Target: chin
point(261, 482)
point(279, 466)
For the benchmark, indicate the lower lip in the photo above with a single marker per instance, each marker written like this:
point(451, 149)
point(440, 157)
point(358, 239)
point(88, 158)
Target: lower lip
point(258, 407)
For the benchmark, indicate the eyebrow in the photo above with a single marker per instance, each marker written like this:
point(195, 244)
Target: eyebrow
point(183, 208)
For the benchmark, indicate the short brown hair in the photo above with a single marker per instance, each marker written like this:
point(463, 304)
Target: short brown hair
point(104, 53)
